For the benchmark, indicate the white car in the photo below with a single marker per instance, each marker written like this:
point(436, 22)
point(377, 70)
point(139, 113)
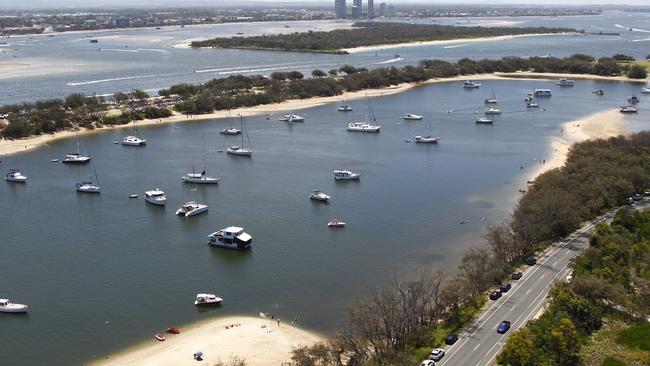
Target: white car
point(437, 354)
point(568, 278)
point(428, 363)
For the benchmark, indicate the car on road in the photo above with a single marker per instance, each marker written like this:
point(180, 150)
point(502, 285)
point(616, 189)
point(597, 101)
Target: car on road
point(428, 363)
point(495, 295)
point(451, 339)
point(503, 327)
point(516, 275)
point(437, 354)
point(637, 197)
point(531, 261)
point(505, 287)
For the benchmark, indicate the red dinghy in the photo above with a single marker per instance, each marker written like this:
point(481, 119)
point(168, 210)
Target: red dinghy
point(159, 337)
point(173, 330)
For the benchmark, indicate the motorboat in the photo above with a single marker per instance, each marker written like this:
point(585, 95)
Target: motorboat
point(469, 84)
point(542, 92)
point(15, 175)
point(173, 330)
point(532, 105)
point(8, 307)
point(633, 99)
point(529, 97)
point(492, 110)
point(207, 300)
point(335, 223)
point(159, 337)
point(156, 197)
point(645, 90)
point(292, 118)
point(602, 92)
point(565, 82)
point(363, 127)
point(232, 237)
point(344, 108)
point(88, 186)
point(191, 208)
point(346, 175)
point(484, 120)
point(230, 131)
point(133, 141)
point(628, 109)
point(317, 195)
point(133, 196)
point(412, 117)
point(241, 150)
point(426, 139)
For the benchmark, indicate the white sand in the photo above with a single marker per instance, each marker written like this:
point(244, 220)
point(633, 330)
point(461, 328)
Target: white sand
point(258, 341)
point(7, 65)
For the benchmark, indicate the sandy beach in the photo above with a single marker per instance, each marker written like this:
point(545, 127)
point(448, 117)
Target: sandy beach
point(7, 65)
point(258, 341)
point(445, 42)
point(550, 75)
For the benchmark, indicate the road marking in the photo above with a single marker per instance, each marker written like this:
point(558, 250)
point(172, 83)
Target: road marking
point(513, 307)
point(527, 292)
point(476, 347)
point(540, 277)
point(554, 263)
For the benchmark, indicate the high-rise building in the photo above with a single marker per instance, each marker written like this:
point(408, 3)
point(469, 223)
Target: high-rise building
point(371, 9)
point(391, 11)
point(357, 8)
point(382, 9)
point(340, 8)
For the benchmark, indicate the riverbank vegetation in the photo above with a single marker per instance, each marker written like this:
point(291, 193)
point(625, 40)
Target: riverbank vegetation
point(367, 34)
point(400, 324)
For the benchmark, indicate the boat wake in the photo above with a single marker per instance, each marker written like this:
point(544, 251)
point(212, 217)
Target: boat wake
point(261, 67)
point(632, 29)
point(641, 40)
point(389, 61)
point(115, 79)
point(455, 46)
point(117, 50)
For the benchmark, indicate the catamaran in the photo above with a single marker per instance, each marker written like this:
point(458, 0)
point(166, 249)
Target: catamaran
point(88, 186)
point(241, 150)
point(191, 208)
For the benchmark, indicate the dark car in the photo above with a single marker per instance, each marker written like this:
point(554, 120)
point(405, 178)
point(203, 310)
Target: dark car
point(495, 295)
point(516, 275)
point(637, 197)
point(531, 261)
point(505, 287)
point(451, 339)
point(503, 327)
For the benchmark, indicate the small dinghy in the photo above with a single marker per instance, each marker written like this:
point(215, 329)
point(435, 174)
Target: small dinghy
point(335, 223)
point(133, 196)
point(173, 330)
point(159, 337)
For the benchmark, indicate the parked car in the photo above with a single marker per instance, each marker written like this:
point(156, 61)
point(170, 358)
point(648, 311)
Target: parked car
point(568, 278)
point(428, 363)
point(516, 275)
point(503, 327)
point(451, 339)
point(495, 295)
point(637, 197)
point(505, 287)
point(531, 261)
point(437, 354)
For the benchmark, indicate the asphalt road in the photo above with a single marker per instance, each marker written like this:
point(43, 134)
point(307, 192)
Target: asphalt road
point(480, 343)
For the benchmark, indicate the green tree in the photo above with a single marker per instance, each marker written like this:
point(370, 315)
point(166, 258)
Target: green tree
point(318, 73)
point(520, 350)
point(565, 345)
point(637, 72)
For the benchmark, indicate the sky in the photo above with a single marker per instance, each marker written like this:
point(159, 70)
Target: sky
point(216, 3)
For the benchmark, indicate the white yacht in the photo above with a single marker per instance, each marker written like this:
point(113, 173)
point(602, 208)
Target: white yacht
point(565, 82)
point(156, 197)
point(292, 118)
point(230, 131)
point(469, 84)
point(529, 97)
point(89, 186)
point(232, 237)
point(628, 109)
point(645, 90)
point(344, 108)
point(532, 105)
point(346, 175)
point(484, 120)
point(8, 307)
point(335, 223)
point(241, 150)
point(133, 141)
point(15, 175)
point(363, 127)
point(426, 139)
point(207, 300)
point(492, 110)
point(199, 178)
point(191, 208)
point(317, 195)
point(542, 92)
point(412, 117)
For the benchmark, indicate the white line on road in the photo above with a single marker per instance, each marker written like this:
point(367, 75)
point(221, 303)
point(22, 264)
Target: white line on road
point(476, 347)
point(527, 292)
point(540, 277)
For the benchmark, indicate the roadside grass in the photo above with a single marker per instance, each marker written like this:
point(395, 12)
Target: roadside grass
point(617, 354)
point(611, 361)
point(637, 336)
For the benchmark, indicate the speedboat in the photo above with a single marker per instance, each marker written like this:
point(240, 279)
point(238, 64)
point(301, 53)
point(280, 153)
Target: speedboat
point(156, 197)
point(344, 108)
point(207, 300)
point(232, 237)
point(469, 84)
point(532, 105)
point(9, 307)
point(133, 141)
point(239, 150)
point(87, 187)
point(335, 223)
point(628, 109)
point(317, 195)
point(529, 97)
point(230, 131)
point(363, 127)
point(346, 175)
point(633, 99)
point(412, 117)
point(492, 110)
point(75, 158)
point(173, 330)
point(565, 82)
point(159, 337)
point(484, 120)
point(426, 139)
point(292, 118)
point(542, 92)
point(645, 90)
point(15, 175)
point(602, 92)
point(191, 208)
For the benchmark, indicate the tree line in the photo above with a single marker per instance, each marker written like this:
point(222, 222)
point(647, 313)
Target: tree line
point(367, 34)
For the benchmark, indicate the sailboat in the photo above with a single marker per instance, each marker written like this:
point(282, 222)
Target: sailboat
point(492, 100)
point(134, 140)
point(365, 126)
point(88, 186)
point(201, 178)
point(427, 139)
point(241, 150)
point(232, 130)
point(76, 157)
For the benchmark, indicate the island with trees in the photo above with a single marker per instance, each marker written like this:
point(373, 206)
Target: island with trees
point(367, 34)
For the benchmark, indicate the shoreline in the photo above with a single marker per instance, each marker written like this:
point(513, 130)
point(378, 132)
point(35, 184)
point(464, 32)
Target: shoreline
point(259, 341)
point(11, 147)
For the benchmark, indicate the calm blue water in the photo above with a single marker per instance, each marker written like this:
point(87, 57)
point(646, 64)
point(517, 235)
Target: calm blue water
point(102, 272)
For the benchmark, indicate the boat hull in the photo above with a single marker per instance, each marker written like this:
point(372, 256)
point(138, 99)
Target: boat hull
point(239, 152)
point(201, 181)
point(156, 202)
point(14, 309)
